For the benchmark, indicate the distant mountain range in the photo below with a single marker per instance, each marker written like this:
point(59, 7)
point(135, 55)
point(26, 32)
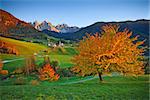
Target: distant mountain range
point(44, 26)
point(64, 28)
point(61, 28)
point(139, 27)
point(12, 27)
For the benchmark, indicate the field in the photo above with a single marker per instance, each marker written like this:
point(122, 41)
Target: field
point(24, 48)
point(122, 88)
point(20, 87)
point(62, 55)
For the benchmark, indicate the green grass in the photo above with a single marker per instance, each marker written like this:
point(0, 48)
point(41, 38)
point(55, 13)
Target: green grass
point(62, 55)
point(71, 50)
point(64, 51)
point(11, 66)
point(64, 60)
point(68, 88)
point(114, 88)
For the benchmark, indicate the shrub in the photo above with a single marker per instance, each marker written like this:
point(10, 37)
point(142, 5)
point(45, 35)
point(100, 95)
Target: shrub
point(20, 81)
point(34, 82)
point(47, 73)
point(65, 72)
point(4, 72)
point(18, 71)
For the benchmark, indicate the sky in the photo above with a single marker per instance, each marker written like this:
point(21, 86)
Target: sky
point(79, 13)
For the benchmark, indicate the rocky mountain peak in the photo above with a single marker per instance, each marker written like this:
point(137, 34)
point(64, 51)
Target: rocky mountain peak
point(60, 28)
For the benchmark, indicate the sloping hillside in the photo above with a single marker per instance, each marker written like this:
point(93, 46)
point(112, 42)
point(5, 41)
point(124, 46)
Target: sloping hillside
point(24, 48)
point(11, 26)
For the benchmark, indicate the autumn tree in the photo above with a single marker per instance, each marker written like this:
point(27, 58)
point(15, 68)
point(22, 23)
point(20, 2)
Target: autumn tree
point(47, 72)
point(112, 50)
point(2, 72)
point(6, 47)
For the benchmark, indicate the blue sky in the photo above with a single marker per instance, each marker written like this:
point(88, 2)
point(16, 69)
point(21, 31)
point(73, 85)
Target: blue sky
point(77, 12)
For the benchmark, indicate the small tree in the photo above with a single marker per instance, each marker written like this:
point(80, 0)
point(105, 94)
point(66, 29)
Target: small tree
point(30, 65)
point(114, 50)
point(48, 73)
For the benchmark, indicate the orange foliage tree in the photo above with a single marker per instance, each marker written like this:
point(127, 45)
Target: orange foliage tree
point(113, 50)
point(48, 73)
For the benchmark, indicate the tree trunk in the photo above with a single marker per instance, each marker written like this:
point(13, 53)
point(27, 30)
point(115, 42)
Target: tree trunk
point(100, 76)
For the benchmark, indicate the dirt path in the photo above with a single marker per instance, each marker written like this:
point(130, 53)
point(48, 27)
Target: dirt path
point(7, 61)
point(80, 81)
point(86, 79)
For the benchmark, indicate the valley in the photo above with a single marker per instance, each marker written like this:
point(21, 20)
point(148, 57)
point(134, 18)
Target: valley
point(102, 61)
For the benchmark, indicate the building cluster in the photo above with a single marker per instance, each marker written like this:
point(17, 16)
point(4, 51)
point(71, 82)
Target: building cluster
point(52, 44)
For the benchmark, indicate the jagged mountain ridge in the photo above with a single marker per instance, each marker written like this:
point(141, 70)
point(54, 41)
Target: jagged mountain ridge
point(44, 26)
point(60, 28)
point(64, 28)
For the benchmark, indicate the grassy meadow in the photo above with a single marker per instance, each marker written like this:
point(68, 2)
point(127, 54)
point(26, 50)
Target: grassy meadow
point(24, 48)
point(113, 88)
point(23, 87)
